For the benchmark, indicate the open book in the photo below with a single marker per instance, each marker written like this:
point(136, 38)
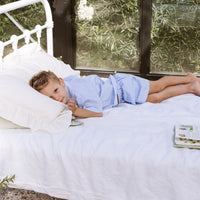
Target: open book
point(187, 136)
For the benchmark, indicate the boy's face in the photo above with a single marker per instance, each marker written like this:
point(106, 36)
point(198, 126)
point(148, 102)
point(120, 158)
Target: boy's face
point(56, 90)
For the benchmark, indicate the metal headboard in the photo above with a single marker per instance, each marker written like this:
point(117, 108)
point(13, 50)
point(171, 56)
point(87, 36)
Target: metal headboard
point(26, 34)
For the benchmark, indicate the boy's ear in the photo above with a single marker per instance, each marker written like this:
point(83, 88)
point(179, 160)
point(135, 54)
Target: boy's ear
point(62, 82)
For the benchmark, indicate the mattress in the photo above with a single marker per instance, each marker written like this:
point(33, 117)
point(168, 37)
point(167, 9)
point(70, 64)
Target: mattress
point(127, 154)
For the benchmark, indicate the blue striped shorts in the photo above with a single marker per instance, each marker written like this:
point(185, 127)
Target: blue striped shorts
point(131, 89)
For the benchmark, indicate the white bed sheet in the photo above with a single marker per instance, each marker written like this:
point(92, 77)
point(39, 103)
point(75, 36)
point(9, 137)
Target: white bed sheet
point(126, 155)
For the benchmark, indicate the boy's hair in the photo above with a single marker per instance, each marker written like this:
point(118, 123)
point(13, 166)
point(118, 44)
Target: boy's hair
point(41, 80)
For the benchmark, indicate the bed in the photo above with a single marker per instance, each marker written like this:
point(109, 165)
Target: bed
point(128, 154)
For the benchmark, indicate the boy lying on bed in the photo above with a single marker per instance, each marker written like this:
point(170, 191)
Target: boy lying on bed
point(88, 96)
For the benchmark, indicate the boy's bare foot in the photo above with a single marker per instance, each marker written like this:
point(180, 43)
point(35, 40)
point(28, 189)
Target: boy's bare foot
point(195, 87)
point(192, 77)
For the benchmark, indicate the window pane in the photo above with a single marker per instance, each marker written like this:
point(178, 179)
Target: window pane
point(175, 36)
point(109, 39)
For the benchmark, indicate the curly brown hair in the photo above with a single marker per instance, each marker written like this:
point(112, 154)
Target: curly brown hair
point(40, 80)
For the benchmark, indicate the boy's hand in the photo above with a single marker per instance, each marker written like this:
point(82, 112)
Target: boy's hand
point(72, 105)
point(79, 112)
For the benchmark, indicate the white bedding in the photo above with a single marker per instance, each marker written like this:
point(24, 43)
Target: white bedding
point(126, 155)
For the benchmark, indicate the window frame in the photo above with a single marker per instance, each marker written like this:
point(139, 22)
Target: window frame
point(65, 38)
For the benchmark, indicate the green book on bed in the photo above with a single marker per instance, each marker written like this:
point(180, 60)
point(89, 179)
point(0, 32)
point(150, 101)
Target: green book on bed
point(187, 136)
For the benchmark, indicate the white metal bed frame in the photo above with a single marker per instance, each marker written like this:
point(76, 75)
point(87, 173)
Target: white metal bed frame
point(26, 34)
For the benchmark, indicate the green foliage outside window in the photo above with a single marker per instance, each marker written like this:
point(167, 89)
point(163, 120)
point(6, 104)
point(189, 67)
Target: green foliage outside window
point(110, 39)
point(112, 36)
point(176, 36)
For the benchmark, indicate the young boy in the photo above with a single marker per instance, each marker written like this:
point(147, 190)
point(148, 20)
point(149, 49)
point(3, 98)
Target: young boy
point(90, 95)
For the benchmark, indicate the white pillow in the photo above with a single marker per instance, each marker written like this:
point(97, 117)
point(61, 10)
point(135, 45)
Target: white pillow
point(24, 106)
point(31, 59)
point(6, 124)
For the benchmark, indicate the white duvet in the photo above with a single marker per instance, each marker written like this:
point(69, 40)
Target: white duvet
point(126, 155)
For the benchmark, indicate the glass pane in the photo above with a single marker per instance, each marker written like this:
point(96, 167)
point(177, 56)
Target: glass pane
point(108, 39)
point(175, 36)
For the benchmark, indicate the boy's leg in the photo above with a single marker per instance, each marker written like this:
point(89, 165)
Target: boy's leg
point(176, 90)
point(166, 81)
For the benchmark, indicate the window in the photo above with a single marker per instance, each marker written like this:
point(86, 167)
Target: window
point(175, 46)
point(107, 34)
point(144, 37)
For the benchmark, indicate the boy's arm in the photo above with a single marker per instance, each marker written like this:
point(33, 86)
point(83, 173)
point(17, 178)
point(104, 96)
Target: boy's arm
point(80, 112)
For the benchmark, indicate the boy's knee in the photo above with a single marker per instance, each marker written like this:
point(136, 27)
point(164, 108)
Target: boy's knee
point(154, 98)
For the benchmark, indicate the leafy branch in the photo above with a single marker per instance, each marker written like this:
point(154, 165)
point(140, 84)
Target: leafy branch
point(4, 182)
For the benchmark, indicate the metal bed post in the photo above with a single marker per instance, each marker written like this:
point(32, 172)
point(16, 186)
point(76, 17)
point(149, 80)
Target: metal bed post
point(4, 9)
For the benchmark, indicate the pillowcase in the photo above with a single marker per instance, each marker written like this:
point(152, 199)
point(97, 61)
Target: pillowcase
point(31, 59)
point(24, 106)
point(5, 124)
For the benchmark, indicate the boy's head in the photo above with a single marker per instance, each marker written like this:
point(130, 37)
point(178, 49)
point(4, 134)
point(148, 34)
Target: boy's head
point(47, 83)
